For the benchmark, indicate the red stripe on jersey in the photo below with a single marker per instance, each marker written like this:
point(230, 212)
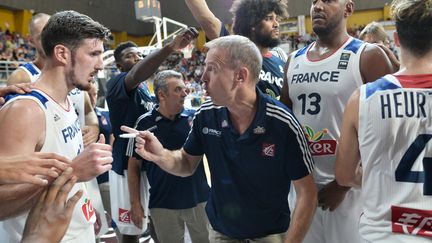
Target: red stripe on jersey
point(415, 81)
point(268, 55)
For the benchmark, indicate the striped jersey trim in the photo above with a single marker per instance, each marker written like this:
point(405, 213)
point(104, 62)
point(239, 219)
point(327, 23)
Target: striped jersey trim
point(284, 116)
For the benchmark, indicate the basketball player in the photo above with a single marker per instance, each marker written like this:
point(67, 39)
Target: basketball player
point(387, 124)
point(257, 20)
point(31, 71)
point(319, 81)
point(45, 121)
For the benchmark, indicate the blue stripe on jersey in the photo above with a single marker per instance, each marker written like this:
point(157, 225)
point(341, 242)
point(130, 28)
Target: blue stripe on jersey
point(35, 94)
point(354, 45)
point(31, 69)
point(380, 84)
point(301, 51)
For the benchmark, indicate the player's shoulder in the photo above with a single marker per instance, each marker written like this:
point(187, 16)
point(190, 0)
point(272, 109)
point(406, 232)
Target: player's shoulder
point(18, 76)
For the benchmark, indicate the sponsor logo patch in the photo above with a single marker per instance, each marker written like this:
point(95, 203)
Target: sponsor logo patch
point(317, 145)
point(268, 149)
point(411, 221)
point(124, 215)
point(87, 209)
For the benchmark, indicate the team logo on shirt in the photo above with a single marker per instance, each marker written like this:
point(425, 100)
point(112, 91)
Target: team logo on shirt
point(56, 117)
point(87, 209)
point(124, 216)
point(317, 145)
point(343, 62)
point(411, 221)
point(268, 149)
point(259, 130)
point(211, 131)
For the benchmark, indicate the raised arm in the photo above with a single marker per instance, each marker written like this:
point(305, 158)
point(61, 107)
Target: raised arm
point(149, 65)
point(374, 63)
point(205, 18)
point(347, 169)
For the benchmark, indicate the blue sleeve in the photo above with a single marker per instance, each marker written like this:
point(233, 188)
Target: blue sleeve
point(223, 31)
point(116, 90)
point(299, 159)
point(194, 143)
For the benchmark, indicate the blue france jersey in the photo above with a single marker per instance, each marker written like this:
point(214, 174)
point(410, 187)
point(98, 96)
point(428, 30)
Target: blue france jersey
point(271, 74)
point(251, 172)
point(124, 109)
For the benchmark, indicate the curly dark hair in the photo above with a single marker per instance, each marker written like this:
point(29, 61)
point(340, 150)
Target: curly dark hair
point(70, 28)
point(120, 47)
point(248, 13)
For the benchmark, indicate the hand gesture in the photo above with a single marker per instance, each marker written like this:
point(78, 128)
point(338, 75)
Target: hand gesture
point(183, 39)
point(16, 88)
point(331, 196)
point(147, 145)
point(96, 159)
point(50, 217)
point(33, 168)
point(90, 135)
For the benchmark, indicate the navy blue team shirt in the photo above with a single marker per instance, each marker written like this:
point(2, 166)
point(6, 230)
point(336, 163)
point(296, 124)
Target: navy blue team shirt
point(251, 172)
point(271, 74)
point(125, 108)
point(105, 129)
point(167, 190)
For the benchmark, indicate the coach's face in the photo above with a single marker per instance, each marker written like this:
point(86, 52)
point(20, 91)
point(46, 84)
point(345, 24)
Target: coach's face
point(86, 62)
point(218, 77)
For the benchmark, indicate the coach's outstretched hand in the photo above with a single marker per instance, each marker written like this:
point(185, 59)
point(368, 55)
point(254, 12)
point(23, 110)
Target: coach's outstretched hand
point(50, 217)
point(146, 143)
point(96, 159)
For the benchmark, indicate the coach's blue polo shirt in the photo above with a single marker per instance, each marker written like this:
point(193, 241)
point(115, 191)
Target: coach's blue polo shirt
point(251, 172)
point(125, 108)
point(166, 190)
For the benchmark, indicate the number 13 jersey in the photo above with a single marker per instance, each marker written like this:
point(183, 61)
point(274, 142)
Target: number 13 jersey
point(319, 91)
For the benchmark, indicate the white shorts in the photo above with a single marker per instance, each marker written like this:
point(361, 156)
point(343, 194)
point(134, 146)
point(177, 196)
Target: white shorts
point(339, 226)
point(120, 202)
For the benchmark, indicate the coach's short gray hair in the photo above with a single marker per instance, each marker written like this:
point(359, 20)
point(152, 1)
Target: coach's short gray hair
point(240, 52)
point(160, 81)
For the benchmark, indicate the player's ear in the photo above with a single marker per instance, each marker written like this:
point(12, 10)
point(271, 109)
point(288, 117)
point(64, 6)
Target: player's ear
point(62, 54)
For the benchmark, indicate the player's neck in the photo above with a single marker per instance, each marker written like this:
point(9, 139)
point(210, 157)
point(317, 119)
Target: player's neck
point(412, 65)
point(332, 40)
point(164, 111)
point(264, 50)
point(52, 81)
point(39, 62)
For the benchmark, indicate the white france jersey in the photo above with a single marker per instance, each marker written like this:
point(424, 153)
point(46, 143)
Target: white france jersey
point(32, 71)
point(395, 138)
point(76, 95)
point(62, 136)
point(319, 91)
